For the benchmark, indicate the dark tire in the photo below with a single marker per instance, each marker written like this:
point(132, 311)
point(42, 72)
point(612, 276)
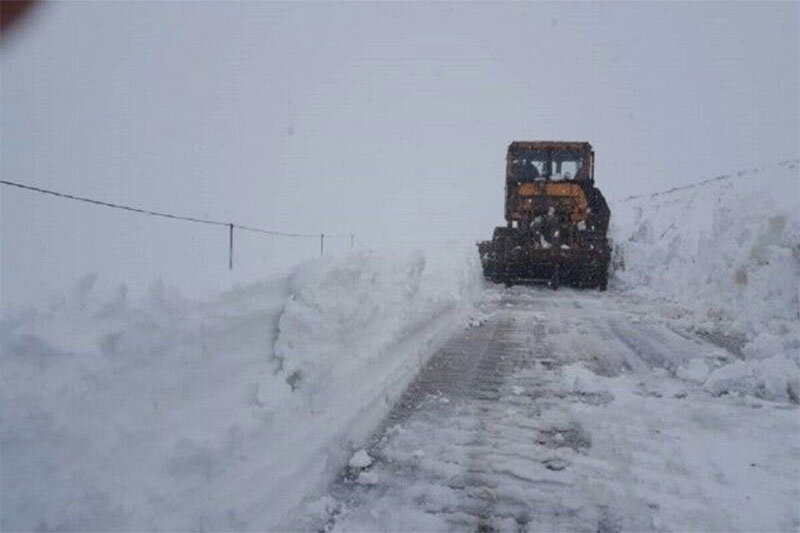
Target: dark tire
point(603, 285)
point(554, 280)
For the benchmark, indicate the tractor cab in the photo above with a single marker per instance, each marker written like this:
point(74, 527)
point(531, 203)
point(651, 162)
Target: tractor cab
point(543, 161)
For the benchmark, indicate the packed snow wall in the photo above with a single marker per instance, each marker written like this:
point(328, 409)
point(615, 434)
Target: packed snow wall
point(727, 250)
point(164, 413)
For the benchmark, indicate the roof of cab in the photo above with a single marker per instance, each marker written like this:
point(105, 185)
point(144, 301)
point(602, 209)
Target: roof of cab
point(543, 145)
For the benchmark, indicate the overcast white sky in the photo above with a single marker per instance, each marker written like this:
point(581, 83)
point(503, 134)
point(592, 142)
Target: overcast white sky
point(387, 120)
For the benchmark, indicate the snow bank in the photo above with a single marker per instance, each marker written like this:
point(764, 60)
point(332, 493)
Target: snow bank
point(169, 414)
point(728, 250)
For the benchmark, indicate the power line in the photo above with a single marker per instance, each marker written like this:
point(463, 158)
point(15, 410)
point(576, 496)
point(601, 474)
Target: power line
point(161, 214)
point(229, 225)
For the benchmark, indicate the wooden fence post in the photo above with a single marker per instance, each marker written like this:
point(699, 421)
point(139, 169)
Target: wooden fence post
point(230, 246)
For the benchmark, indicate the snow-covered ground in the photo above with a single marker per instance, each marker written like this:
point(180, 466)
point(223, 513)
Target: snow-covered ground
point(168, 414)
point(567, 411)
point(727, 252)
point(122, 412)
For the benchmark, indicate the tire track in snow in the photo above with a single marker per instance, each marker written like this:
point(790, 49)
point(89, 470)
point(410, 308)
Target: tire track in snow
point(494, 436)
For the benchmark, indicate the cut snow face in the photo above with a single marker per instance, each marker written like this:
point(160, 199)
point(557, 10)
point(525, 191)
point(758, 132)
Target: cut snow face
point(727, 251)
point(170, 414)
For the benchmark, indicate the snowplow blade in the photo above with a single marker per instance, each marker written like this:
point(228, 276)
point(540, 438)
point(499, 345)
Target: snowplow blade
point(518, 264)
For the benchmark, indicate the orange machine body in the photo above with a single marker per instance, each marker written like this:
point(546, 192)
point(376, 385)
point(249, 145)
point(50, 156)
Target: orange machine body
point(568, 195)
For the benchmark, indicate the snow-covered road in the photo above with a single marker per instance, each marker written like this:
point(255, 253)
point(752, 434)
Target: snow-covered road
point(575, 411)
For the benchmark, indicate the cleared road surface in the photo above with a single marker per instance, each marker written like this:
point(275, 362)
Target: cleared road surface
point(572, 411)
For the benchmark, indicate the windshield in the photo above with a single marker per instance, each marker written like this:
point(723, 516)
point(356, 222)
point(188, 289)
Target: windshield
point(562, 164)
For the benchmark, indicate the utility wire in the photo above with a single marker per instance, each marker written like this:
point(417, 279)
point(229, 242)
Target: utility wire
point(165, 215)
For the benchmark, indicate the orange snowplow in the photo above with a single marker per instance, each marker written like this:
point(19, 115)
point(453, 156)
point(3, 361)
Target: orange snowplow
point(556, 219)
